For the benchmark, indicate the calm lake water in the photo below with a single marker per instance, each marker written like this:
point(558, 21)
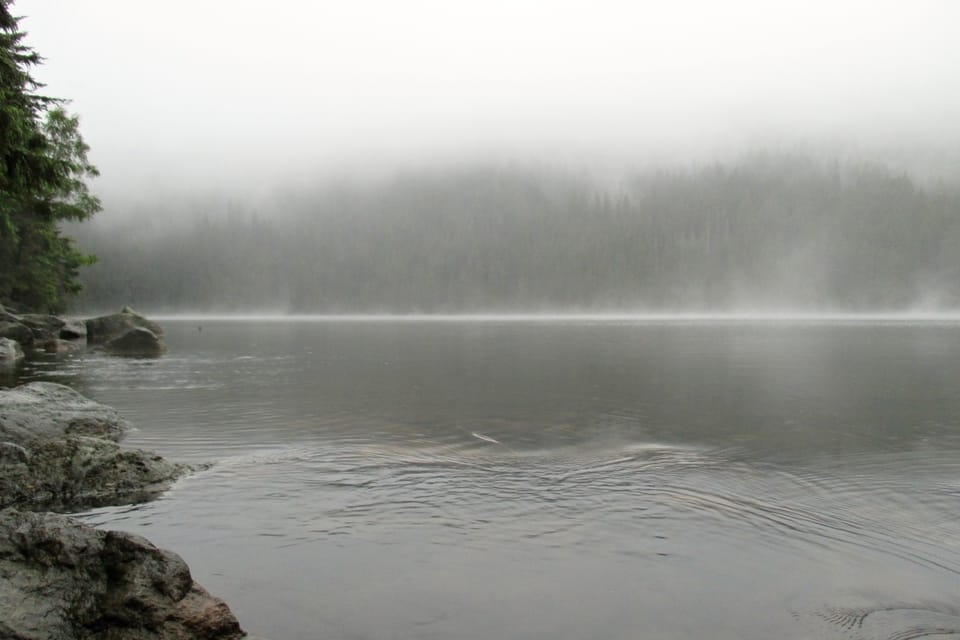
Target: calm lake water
point(569, 480)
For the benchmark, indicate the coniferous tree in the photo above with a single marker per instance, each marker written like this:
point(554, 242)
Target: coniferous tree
point(43, 165)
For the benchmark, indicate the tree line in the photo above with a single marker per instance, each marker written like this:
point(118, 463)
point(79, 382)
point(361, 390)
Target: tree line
point(767, 231)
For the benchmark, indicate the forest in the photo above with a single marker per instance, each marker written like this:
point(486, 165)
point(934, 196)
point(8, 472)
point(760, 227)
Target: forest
point(768, 231)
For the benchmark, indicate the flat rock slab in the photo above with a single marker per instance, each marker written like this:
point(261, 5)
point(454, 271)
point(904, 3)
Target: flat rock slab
point(62, 579)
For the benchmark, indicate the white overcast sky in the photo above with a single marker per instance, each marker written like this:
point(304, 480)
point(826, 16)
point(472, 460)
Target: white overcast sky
point(237, 91)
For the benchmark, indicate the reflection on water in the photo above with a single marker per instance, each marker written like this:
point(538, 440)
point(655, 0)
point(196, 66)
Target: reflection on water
point(563, 480)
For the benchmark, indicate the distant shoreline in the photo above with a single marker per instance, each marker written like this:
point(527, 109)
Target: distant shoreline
point(952, 317)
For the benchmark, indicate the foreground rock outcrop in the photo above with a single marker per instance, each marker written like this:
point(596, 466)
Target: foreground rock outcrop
point(62, 579)
point(59, 451)
point(126, 333)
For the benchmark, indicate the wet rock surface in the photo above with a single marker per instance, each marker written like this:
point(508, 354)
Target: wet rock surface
point(125, 333)
point(58, 450)
point(62, 579)
point(75, 472)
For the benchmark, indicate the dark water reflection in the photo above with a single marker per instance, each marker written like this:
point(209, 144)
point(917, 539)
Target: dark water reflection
point(563, 480)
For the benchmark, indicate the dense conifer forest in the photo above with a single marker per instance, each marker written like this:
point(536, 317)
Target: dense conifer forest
point(769, 231)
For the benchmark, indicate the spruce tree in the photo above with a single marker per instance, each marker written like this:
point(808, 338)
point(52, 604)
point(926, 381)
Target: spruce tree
point(43, 168)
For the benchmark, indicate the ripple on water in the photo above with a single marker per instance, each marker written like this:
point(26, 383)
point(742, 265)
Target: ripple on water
point(870, 617)
point(475, 492)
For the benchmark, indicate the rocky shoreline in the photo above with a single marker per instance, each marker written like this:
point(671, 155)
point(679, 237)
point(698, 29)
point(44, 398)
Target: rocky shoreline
point(123, 334)
point(59, 451)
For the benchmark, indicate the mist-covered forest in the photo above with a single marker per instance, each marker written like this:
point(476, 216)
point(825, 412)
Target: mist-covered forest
point(769, 231)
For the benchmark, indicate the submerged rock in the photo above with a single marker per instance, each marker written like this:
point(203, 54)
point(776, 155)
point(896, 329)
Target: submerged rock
point(10, 352)
point(63, 579)
point(58, 451)
point(59, 346)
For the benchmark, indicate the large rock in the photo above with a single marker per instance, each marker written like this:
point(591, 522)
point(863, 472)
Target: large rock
point(10, 353)
point(138, 341)
point(61, 579)
point(58, 451)
point(43, 410)
point(42, 326)
point(106, 328)
point(15, 330)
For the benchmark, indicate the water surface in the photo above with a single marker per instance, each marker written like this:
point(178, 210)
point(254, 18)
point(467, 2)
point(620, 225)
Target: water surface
point(555, 479)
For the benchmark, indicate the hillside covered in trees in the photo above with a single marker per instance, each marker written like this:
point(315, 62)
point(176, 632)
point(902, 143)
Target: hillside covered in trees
point(770, 232)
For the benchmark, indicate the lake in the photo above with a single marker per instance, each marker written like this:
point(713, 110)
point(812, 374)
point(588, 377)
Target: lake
point(562, 479)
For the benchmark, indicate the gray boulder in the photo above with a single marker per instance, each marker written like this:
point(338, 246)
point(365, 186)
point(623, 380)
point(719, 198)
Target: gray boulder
point(10, 353)
point(138, 341)
point(15, 330)
point(62, 579)
point(42, 326)
point(106, 328)
point(42, 410)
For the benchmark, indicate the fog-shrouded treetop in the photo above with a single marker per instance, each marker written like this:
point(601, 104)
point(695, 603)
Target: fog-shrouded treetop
point(768, 232)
